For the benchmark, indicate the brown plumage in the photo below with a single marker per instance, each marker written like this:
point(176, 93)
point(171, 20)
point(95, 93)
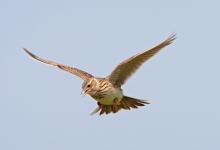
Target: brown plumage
point(126, 68)
point(107, 91)
point(126, 103)
point(82, 74)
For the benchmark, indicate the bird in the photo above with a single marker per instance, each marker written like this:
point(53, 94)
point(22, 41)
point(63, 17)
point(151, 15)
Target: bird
point(107, 91)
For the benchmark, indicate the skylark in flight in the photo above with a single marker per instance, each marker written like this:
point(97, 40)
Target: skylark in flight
point(107, 91)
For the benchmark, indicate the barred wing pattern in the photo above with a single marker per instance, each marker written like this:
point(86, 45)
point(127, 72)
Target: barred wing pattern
point(82, 74)
point(126, 68)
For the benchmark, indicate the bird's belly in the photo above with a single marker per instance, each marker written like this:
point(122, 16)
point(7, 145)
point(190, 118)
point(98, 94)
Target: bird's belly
point(113, 97)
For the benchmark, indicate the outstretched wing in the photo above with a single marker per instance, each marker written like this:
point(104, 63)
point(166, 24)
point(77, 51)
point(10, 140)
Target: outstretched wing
point(126, 68)
point(82, 74)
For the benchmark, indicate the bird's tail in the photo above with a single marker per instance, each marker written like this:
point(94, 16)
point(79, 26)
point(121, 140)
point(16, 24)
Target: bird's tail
point(126, 103)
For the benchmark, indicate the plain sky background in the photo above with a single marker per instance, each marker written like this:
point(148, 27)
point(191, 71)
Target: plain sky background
point(41, 107)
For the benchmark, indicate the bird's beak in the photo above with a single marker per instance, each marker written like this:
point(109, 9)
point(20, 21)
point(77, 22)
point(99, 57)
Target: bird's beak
point(83, 93)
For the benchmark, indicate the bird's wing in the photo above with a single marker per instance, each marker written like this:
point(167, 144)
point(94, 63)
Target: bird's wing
point(82, 74)
point(126, 68)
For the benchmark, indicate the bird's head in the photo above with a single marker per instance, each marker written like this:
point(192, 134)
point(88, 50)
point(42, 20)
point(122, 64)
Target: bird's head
point(89, 87)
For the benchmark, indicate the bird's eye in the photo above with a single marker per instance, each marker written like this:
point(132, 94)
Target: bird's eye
point(89, 85)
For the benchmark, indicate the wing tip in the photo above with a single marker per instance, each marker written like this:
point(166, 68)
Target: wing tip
point(35, 57)
point(24, 49)
point(172, 37)
point(28, 52)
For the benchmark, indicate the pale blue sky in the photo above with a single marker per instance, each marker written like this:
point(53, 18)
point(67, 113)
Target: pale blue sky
point(41, 107)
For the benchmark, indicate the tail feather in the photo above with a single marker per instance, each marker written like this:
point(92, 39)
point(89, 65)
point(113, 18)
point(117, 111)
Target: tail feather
point(133, 102)
point(126, 103)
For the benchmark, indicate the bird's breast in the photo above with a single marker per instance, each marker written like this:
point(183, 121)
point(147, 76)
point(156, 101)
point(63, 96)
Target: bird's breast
point(111, 97)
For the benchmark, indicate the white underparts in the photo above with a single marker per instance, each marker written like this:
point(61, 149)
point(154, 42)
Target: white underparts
point(114, 96)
